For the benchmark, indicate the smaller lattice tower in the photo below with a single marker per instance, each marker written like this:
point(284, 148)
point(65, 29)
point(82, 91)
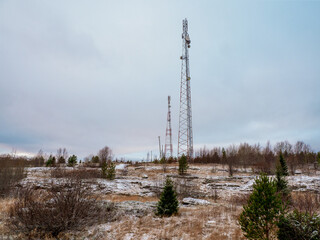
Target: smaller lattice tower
point(168, 140)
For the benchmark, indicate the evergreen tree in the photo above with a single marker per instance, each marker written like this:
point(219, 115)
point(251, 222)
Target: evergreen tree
point(95, 159)
point(183, 165)
point(163, 162)
point(51, 161)
point(108, 170)
point(61, 160)
point(168, 203)
point(281, 182)
point(224, 156)
point(283, 164)
point(261, 214)
point(72, 160)
point(298, 225)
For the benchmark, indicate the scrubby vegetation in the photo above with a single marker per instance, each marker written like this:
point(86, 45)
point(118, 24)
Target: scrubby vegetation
point(299, 225)
point(55, 210)
point(206, 203)
point(11, 172)
point(262, 159)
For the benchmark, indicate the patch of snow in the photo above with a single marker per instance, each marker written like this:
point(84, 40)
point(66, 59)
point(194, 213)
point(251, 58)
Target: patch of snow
point(121, 166)
point(154, 168)
point(304, 182)
point(145, 237)
point(248, 185)
point(195, 201)
point(128, 236)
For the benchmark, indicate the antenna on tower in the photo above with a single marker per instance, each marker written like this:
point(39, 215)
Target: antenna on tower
point(160, 152)
point(185, 138)
point(168, 140)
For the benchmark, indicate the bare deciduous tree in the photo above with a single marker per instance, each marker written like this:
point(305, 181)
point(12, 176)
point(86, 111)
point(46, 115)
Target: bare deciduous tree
point(105, 154)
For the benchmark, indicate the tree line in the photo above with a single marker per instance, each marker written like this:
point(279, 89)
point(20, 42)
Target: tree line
point(262, 158)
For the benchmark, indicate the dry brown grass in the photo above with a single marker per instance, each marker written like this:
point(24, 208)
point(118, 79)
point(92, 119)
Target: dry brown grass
point(122, 198)
point(201, 222)
point(5, 205)
point(308, 202)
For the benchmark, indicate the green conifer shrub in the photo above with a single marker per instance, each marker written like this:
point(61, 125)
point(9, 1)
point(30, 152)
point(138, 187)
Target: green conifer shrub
point(283, 164)
point(260, 216)
point(72, 160)
point(95, 159)
point(61, 160)
point(51, 161)
point(298, 226)
point(281, 182)
point(183, 165)
point(108, 170)
point(168, 203)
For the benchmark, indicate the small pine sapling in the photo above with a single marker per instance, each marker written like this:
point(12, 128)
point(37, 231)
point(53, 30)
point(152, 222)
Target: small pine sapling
point(108, 170)
point(260, 216)
point(299, 225)
point(183, 165)
point(283, 164)
point(281, 182)
point(168, 203)
point(51, 161)
point(72, 160)
point(163, 162)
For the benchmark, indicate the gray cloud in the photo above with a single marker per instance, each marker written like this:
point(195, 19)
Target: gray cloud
point(81, 75)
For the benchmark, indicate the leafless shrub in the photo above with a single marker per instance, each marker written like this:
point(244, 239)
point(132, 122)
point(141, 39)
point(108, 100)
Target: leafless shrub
point(124, 171)
point(239, 200)
point(307, 202)
point(56, 210)
point(185, 188)
point(82, 173)
point(11, 172)
point(214, 193)
point(263, 167)
point(158, 187)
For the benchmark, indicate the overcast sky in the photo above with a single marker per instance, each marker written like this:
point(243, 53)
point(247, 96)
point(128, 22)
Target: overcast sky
point(86, 74)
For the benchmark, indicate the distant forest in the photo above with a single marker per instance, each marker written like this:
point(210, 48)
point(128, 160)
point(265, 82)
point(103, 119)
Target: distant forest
point(264, 159)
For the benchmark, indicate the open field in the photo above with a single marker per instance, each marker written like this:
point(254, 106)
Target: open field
point(210, 201)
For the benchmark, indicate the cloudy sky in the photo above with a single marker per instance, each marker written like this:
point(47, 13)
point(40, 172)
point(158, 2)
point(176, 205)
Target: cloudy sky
point(86, 74)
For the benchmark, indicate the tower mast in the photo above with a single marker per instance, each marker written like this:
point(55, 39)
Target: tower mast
point(160, 152)
point(185, 138)
point(168, 143)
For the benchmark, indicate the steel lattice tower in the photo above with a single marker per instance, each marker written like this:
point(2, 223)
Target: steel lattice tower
point(185, 139)
point(168, 140)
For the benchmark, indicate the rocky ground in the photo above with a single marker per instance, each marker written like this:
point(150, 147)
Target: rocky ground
point(210, 201)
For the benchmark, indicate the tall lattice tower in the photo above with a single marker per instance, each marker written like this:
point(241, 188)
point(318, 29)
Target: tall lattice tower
point(168, 144)
point(185, 139)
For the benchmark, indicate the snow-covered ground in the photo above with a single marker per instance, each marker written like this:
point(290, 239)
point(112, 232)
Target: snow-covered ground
point(199, 209)
point(202, 181)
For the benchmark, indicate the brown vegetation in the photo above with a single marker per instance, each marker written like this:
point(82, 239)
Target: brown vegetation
point(55, 210)
point(306, 202)
point(81, 173)
point(261, 159)
point(11, 172)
